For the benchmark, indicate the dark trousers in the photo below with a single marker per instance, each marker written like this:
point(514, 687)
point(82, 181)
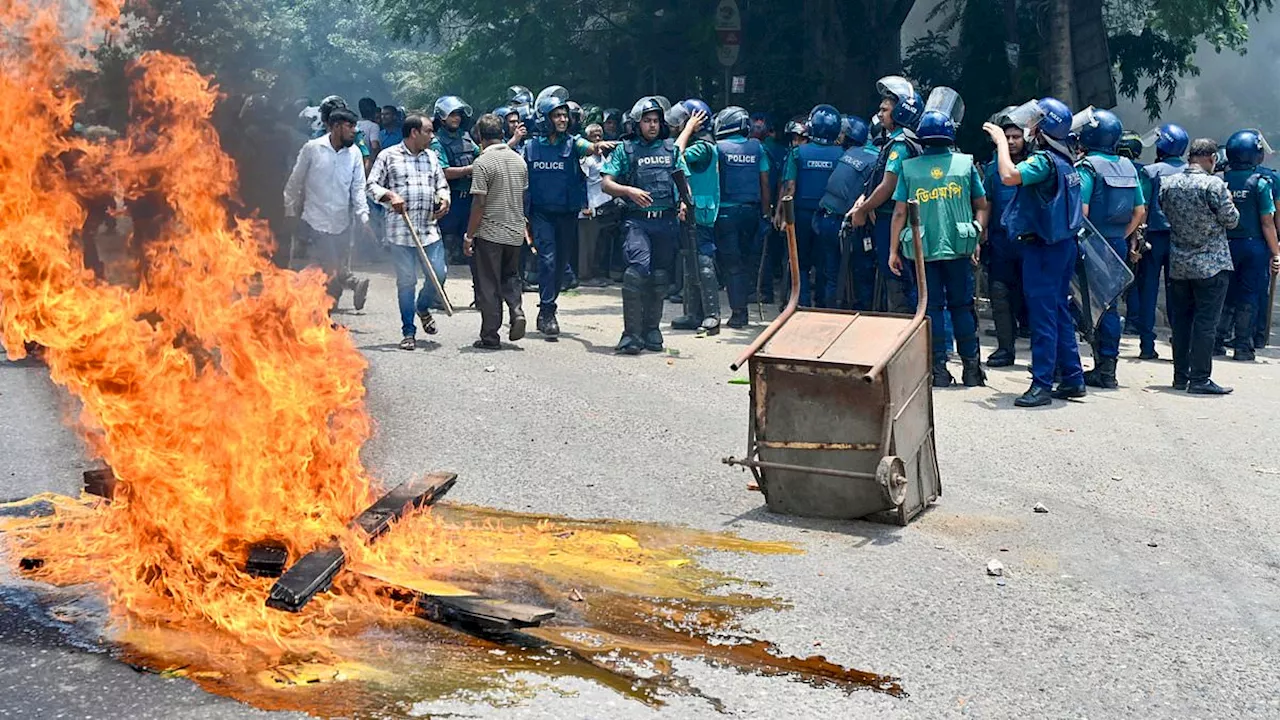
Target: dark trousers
point(649, 244)
point(892, 295)
point(950, 284)
point(1046, 283)
point(1154, 262)
point(1194, 307)
point(1109, 326)
point(556, 237)
point(806, 247)
point(497, 281)
point(1249, 282)
point(737, 229)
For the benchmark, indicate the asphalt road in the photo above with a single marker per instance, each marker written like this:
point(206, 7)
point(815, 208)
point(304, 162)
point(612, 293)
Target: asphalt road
point(1149, 590)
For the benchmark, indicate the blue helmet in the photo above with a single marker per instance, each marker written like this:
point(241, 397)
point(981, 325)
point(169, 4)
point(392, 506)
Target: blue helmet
point(1171, 141)
point(680, 113)
point(447, 105)
point(519, 95)
point(936, 128)
point(732, 120)
point(546, 105)
point(854, 129)
point(575, 118)
point(1244, 149)
point(1101, 131)
point(907, 103)
point(824, 123)
point(1055, 120)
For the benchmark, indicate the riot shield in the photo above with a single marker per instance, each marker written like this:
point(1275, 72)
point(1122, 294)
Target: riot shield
point(948, 102)
point(1101, 277)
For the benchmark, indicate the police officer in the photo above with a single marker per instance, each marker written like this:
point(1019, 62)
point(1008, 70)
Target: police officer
point(771, 245)
point(953, 210)
point(1002, 254)
point(1045, 215)
point(805, 176)
point(701, 287)
point(900, 110)
point(1114, 202)
point(557, 192)
point(745, 196)
point(451, 119)
point(1253, 240)
point(855, 255)
point(640, 172)
point(1171, 143)
point(1263, 305)
point(1130, 146)
point(612, 124)
point(518, 95)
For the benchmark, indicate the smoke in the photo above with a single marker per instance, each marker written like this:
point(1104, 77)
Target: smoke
point(1232, 91)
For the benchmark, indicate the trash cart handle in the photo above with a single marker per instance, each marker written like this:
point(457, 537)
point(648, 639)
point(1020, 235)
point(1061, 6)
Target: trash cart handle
point(922, 296)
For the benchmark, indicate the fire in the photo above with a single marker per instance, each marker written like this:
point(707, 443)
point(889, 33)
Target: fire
point(229, 407)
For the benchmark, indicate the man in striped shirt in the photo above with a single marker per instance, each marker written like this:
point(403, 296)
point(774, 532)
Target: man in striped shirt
point(408, 179)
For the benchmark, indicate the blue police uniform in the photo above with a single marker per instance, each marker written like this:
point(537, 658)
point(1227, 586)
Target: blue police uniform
point(895, 290)
point(1156, 260)
point(810, 166)
point(737, 229)
point(846, 183)
point(1264, 299)
point(1252, 193)
point(1110, 185)
point(557, 192)
point(1045, 215)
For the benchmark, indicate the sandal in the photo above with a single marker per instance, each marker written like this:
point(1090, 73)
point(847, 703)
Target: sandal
point(408, 343)
point(428, 322)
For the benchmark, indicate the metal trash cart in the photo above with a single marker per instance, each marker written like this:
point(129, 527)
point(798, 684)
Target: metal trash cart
point(841, 421)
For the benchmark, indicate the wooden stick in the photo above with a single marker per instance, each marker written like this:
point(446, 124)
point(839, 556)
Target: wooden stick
point(431, 272)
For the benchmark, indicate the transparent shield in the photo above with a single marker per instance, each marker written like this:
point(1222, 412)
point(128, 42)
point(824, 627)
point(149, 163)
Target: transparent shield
point(895, 85)
point(1150, 137)
point(559, 91)
point(1081, 119)
point(1027, 115)
point(1106, 275)
point(948, 102)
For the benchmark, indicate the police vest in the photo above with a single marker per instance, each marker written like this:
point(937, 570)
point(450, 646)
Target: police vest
point(814, 164)
point(460, 152)
point(1244, 185)
point(1114, 185)
point(777, 161)
point(882, 163)
point(847, 180)
point(1052, 210)
point(649, 168)
point(554, 176)
point(740, 171)
point(704, 186)
point(1001, 197)
point(1156, 219)
point(941, 186)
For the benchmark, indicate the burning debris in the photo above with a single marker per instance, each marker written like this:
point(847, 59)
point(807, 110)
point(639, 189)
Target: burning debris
point(230, 413)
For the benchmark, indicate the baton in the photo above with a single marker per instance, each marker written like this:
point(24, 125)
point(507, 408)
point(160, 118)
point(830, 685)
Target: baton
point(431, 272)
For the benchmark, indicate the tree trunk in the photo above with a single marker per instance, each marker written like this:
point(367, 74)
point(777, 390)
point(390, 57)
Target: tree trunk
point(1061, 69)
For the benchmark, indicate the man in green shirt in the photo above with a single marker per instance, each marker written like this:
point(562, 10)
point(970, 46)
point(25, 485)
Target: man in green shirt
point(701, 292)
point(953, 210)
point(640, 173)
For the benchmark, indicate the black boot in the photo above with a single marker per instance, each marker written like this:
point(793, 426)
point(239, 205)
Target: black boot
point(710, 286)
point(1035, 397)
point(655, 290)
point(972, 375)
point(1006, 326)
point(1244, 334)
point(941, 376)
point(738, 319)
point(1103, 374)
point(632, 313)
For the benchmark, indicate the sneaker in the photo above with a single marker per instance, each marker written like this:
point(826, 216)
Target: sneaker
point(408, 343)
point(428, 322)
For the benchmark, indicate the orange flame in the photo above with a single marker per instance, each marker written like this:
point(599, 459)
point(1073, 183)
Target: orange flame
point(218, 391)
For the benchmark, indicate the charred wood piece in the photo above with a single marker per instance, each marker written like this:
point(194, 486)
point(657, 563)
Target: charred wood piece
point(401, 499)
point(266, 560)
point(481, 613)
point(100, 482)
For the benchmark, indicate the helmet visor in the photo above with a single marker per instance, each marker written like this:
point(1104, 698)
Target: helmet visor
point(1266, 146)
point(896, 86)
point(1150, 137)
point(1027, 115)
point(948, 102)
point(450, 104)
point(1082, 119)
point(558, 91)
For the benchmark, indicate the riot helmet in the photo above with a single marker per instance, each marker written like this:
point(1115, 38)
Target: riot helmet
point(732, 120)
point(1170, 141)
point(1130, 145)
point(824, 123)
point(1245, 150)
point(1002, 119)
point(761, 125)
point(936, 129)
point(651, 104)
point(1098, 130)
point(615, 116)
point(854, 130)
point(559, 91)
point(795, 128)
point(447, 105)
point(907, 103)
point(519, 95)
point(1049, 115)
point(575, 118)
point(544, 107)
point(680, 113)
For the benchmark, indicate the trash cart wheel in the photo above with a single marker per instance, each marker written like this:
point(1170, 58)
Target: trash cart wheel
point(891, 474)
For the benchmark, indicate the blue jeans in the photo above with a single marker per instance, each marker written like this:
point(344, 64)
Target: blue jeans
point(1046, 283)
point(1154, 262)
point(1109, 326)
point(737, 230)
point(455, 223)
point(408, 266)
point(950, 284)
point(554, 235)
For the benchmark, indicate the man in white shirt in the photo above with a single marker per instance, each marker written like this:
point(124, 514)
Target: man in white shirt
point(596, 220)
point(326, 189)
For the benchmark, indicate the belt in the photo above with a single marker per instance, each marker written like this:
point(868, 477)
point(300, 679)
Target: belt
point(650, 214)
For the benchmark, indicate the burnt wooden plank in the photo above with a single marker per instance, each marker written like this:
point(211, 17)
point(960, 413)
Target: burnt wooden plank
point(100, 482)
point(314, 572)
point(401, 499)
point(266, 559)
point(488, 614)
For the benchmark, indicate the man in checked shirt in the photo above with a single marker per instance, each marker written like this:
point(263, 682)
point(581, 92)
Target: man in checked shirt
point(407, 177)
